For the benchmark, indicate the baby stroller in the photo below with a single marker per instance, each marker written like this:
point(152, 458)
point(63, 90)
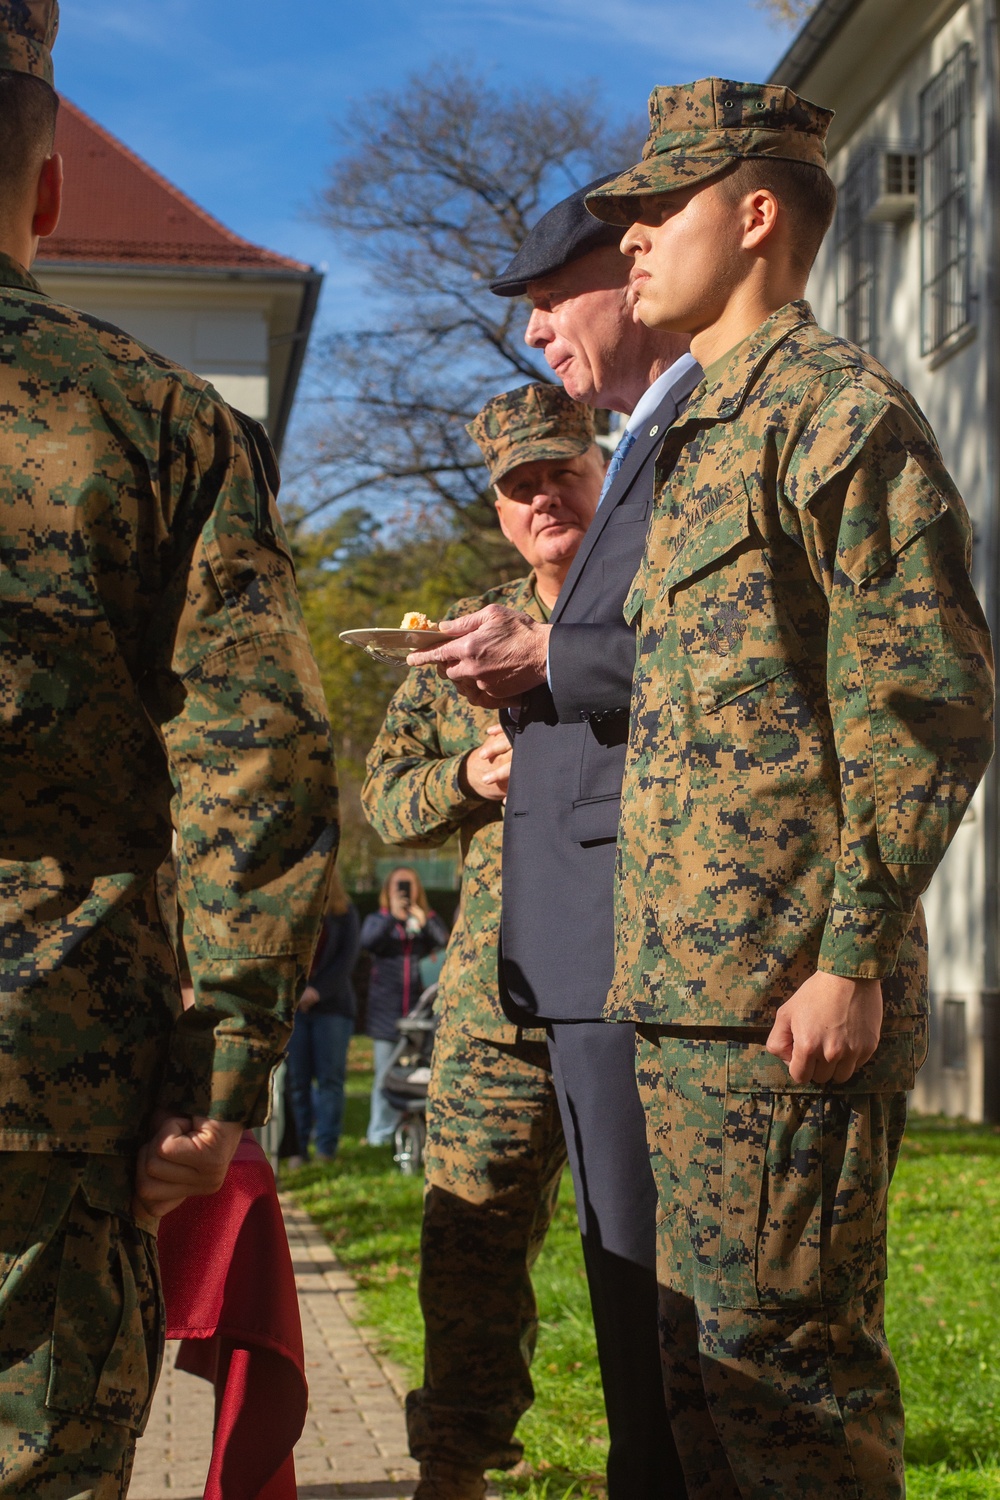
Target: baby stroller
point(406, 1080)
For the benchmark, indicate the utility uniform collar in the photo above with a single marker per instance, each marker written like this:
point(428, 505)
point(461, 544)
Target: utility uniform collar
point(13, 274)
point(727, 382)
point(532, 598)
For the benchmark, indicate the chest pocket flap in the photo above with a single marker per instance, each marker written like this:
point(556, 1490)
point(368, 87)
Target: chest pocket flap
point(626, 514)
point(701, 546)
point(706, 545)
point(733, 630)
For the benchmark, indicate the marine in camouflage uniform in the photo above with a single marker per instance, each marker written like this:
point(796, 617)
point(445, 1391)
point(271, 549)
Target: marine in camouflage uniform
point(811, 715)
point(154, 671)
point(495, 1147)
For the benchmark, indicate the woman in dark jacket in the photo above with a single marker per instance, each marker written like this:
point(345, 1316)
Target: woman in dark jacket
point(324, 1025)
point(398, 936)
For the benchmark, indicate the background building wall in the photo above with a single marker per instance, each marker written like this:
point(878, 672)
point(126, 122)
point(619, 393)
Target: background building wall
point(878, 106)
point(237, 333)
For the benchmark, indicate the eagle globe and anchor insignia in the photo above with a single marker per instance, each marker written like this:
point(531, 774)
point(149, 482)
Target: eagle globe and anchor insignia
point(729, 629)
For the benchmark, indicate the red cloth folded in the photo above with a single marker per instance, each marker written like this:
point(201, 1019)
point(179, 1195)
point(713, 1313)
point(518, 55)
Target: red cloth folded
point(229, 1290)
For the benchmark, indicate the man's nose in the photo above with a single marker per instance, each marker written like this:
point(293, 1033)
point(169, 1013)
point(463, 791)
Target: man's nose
point(538, 332)
point(544, 500)
point(634, 240)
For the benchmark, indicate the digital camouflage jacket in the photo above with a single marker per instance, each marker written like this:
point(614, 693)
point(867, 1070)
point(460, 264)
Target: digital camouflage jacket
point(811, 711)
point(152, 652)
point(412, 796)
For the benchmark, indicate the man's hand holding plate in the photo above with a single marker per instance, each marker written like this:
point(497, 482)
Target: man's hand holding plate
point(495, 656)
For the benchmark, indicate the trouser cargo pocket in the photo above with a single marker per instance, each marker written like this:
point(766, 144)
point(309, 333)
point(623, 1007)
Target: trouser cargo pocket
point(107, 1328)
point(805, 1178)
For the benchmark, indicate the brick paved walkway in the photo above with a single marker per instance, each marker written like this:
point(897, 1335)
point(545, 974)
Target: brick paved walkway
point(354, 1442)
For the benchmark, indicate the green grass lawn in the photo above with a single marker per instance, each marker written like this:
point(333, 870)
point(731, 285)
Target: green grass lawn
point(943, 1304)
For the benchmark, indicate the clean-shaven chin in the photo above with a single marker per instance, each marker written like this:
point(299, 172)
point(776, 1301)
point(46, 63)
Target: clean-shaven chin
point(639, 288)
point(564, 371)
point(556, 540)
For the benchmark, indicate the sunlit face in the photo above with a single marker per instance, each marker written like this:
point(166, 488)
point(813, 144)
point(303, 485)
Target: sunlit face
point(546, 506)
point(687, 260)
point(582, 321)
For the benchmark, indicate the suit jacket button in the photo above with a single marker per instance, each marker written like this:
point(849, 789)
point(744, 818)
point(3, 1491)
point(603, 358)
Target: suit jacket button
point(654, 429)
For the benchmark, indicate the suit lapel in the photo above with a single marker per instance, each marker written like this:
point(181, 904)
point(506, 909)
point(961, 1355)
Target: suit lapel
point(650, 437)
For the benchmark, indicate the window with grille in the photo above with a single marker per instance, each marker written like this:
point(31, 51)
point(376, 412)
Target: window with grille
point(945, 152)
point(900, 174)
point(856, 243)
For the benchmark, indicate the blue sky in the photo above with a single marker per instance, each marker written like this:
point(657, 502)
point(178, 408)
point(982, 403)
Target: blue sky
point(235, 100)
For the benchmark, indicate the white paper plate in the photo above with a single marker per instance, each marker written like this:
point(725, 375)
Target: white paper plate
point(394, 645)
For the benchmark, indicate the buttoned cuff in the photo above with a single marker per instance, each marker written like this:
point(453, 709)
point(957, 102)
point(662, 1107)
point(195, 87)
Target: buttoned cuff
point(225, 1078)
point(445, 793)
point(862, 942)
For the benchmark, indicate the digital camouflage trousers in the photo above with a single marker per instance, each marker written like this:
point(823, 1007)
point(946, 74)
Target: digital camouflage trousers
point(81, 1326)
point(771, 1264)
point(495, 1154)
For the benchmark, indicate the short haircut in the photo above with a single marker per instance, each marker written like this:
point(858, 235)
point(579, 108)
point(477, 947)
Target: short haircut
point(804, 191)
point(28, 109)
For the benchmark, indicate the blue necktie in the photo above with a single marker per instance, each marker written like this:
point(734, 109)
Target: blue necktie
point(617, 459)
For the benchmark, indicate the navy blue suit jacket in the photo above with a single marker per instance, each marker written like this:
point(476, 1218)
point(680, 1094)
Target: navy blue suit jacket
point(561, 819)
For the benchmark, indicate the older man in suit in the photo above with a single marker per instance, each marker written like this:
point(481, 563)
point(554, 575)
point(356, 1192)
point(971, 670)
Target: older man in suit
point(495, 1149)
point(566, 686)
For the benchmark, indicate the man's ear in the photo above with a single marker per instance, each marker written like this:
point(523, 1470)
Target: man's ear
point(48, 197)
point(761, 211)
point(500, 518)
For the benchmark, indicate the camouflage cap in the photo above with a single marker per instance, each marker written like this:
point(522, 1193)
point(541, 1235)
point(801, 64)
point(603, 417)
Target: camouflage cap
point(27, 31)
point(532, 422)
point(697, 130)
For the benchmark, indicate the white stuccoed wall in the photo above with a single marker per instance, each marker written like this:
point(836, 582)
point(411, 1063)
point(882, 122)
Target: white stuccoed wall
point(953, 392)
point(229, 348)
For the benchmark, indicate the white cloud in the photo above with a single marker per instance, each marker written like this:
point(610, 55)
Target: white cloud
point(155, 24)
point(680, 34)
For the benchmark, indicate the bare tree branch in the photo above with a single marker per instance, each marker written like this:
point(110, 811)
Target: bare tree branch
point(434, 191)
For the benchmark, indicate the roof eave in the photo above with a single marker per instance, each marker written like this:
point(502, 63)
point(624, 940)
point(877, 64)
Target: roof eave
point(312, 286)
point(817, 33)
point(186, 270)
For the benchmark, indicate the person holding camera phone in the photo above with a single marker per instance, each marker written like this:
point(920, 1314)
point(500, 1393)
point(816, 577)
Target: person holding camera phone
point(402, 932)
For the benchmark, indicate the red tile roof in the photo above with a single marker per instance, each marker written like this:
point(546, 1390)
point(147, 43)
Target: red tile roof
point(117, 210)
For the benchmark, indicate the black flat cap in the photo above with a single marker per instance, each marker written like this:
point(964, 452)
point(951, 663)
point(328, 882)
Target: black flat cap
point(563, 234)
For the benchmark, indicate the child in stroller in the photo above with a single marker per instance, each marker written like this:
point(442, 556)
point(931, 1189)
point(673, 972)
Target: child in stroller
point(407, 1077)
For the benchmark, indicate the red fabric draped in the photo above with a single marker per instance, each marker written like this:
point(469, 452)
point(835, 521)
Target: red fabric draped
point(229, 1290)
